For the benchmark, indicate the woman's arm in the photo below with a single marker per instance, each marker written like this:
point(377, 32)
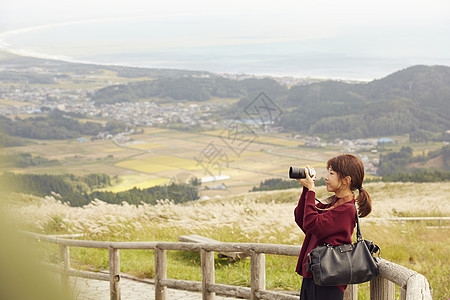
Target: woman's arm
point(299, 210)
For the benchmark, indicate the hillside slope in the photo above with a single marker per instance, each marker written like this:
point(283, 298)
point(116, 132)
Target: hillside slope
point(417, 98)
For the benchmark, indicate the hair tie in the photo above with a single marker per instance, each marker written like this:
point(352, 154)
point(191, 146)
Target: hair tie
point(360, 188)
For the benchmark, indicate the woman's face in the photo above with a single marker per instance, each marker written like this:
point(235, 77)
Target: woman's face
point(333, 181)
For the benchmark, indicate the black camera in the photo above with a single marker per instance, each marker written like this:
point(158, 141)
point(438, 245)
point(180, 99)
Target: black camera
point(298, 173)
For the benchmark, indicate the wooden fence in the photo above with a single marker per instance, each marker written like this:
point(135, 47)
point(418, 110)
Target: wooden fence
point(413, 285)
point(440, 220)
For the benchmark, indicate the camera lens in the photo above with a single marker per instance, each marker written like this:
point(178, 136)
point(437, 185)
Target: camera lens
point(296, 173)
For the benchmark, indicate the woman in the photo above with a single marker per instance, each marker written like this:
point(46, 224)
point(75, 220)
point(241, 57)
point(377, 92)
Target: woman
point(332, 220)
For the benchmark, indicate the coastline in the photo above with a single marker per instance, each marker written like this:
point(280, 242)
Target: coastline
point(262, 65)
point(274, 60)
point(33, 54)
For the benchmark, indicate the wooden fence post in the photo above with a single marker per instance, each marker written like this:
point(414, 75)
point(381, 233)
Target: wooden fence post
point(403, 294)
point(351, 292)
point(64, 256)
point(208, 276)
point(382, 289)
point(160, 273)
point(258, 273)
point(418, 288)
point(114, 274)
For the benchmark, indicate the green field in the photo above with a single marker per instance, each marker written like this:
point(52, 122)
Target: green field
point(164, 154)
point(159, 155)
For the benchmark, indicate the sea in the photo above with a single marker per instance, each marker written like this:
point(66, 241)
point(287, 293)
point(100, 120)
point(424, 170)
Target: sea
point(131, 43)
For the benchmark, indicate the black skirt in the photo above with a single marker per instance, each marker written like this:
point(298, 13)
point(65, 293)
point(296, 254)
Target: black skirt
point(311, 291)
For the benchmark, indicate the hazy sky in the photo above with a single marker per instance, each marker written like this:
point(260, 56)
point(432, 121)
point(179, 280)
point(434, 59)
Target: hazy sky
point(415, 30)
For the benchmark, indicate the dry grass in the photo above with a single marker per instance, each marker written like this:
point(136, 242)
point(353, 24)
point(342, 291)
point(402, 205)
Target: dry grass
point(410, 199)
point(257, 212)
point(265, 217)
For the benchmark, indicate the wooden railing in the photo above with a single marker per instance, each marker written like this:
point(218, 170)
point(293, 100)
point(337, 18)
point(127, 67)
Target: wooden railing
point(439, 220)
point(413, 285)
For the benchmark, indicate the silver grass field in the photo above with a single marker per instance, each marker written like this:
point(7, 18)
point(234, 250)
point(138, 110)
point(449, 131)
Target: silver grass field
point(262, 217)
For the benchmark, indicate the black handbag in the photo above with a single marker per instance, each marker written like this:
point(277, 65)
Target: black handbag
point(344, 264)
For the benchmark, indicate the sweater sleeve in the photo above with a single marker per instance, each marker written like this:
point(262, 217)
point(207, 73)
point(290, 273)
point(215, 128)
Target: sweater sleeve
point(328, 223)
point(299, 210)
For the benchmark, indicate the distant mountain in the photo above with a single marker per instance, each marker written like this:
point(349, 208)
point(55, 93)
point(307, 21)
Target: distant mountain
point(426, 86)
point(417, 98)
point(187, 89)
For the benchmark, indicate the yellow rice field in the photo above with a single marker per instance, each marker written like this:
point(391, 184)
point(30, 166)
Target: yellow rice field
point(146, 146)
point(160, 153)
point(258, 138)
point(113, 150)
point(135, 181)
point(151, 130)
point(159, 164)
point(279, 141)
point(8, 102)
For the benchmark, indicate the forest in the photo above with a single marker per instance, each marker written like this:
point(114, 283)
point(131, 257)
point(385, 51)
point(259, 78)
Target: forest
point(408, 101)
point(281, 184)
point(9, 141)
point(56, 125)
point(24, 160)
point(81, 190)
point(187, 89)
point(397, 162)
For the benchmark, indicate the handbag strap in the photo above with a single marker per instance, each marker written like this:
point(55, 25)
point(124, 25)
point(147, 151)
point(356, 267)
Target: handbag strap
point(358, 228)
point(342, 201)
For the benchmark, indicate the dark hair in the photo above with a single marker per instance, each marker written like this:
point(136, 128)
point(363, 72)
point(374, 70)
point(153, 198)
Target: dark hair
point(350, 165)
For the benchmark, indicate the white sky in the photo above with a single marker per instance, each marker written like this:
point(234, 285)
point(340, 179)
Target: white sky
point(391, 27)
point(281, 18)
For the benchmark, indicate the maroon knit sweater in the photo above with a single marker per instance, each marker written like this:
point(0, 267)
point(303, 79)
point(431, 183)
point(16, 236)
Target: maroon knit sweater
point(333, 226)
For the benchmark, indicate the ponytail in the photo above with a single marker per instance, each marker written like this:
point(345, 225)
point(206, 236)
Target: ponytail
point(364, 203)
point(350, 165)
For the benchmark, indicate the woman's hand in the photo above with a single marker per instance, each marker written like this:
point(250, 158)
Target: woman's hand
point(308, 182)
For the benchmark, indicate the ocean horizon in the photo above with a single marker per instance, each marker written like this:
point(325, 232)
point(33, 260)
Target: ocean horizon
point(119, 43)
